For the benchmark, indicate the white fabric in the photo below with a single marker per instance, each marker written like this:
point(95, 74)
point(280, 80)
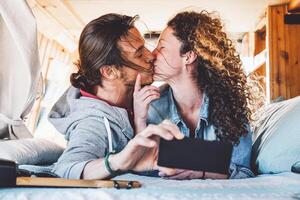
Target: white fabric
point(107, 127)
point(19, 66)
point(30, 151)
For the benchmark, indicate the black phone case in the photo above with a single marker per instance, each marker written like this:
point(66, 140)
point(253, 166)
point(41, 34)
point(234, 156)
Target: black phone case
point(195, 154)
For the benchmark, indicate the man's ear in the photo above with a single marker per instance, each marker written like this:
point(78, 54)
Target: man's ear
point(110, 72)
point(190, 57)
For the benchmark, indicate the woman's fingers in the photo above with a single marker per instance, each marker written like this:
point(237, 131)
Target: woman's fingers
point(179, 174)
point(150, 98)
point(188, 174)
point(169, 172)
point(184, 174)
point(148, 89)
point(140, 92)
point(143, 97)
point(137, 85)
point(148, 94)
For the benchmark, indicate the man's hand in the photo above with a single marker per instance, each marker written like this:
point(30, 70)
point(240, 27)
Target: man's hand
point(141, 100)
point(140, 154)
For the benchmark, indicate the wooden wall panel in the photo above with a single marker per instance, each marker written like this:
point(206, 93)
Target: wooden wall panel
point(284, 53)
point(259, 46)
point(294, 59)
point(259, 40)
point(48, 50)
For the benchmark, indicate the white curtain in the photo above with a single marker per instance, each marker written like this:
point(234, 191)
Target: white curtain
point(19, 67)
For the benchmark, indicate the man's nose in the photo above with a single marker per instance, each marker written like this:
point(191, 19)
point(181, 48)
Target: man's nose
point(150, 57)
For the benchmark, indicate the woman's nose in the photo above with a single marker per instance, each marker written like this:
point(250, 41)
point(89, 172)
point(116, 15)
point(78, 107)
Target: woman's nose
point(154, 52)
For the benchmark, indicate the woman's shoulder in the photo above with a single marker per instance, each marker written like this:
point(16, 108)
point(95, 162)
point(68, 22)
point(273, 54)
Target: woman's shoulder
point(164, 91)
point(159, 108)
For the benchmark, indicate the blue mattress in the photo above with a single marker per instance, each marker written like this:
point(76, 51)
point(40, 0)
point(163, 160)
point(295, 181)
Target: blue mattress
point(276, 186)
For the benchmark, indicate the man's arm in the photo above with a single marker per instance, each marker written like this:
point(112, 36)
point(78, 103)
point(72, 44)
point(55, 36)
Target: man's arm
point(140, 154)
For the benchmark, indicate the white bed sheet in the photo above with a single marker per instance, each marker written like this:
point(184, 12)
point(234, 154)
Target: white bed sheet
point(277, 186)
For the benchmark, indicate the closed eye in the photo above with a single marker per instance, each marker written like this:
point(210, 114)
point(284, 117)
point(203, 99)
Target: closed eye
point(160, 48)
point(139, 55)
point(139, 52)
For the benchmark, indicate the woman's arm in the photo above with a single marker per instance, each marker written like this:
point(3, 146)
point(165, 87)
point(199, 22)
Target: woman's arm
point(241, 157)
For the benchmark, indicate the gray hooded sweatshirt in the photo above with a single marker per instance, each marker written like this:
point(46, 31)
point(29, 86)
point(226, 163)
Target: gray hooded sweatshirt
point(86, 123)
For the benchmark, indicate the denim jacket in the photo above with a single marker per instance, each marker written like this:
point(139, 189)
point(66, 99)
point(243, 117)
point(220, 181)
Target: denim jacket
point(165, 108)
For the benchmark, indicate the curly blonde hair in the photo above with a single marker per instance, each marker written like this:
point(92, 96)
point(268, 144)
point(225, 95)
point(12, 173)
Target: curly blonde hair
point(219, 73)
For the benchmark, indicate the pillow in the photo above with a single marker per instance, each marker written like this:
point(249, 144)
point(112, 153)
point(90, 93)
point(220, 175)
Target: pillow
point(33, 151)
point(296, 167)
point(277, 137)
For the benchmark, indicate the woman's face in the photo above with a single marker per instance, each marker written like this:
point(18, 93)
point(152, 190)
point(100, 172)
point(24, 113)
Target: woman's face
point(169, 63)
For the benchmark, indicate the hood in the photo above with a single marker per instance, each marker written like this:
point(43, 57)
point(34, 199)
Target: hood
point(73, 107)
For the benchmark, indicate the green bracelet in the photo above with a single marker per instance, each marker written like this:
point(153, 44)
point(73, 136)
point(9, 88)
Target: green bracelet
point(107, 166)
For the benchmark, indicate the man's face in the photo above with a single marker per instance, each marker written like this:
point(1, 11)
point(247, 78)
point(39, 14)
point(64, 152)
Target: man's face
point(140, 58)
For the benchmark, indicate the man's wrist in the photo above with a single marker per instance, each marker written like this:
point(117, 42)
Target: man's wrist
point(112, 164)
point(116, 164)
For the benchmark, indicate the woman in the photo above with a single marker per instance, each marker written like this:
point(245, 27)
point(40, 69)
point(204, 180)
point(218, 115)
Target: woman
point(95, 114)
point(207, 95)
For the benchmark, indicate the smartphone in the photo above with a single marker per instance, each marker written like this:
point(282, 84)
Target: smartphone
point(195, 154)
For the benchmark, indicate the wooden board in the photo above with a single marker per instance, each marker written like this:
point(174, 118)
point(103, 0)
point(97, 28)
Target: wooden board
point(60, 182)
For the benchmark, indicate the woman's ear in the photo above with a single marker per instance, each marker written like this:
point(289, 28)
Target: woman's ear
point(190, 57)
point(110, 72)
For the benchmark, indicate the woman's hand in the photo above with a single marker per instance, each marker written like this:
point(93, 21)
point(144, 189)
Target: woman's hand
point(140, 154)
point(141, 100)
point(181, 174)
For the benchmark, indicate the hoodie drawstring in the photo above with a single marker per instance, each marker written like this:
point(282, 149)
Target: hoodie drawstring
point(107, 127)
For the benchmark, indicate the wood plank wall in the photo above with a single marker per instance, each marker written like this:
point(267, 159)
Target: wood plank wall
point(259, 46)
point(284, 54)
point(48, 50)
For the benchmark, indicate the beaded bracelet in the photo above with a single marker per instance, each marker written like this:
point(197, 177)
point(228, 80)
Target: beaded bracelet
point(107, 166)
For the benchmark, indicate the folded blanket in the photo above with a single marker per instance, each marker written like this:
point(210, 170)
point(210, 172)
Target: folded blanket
point(19, 67)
